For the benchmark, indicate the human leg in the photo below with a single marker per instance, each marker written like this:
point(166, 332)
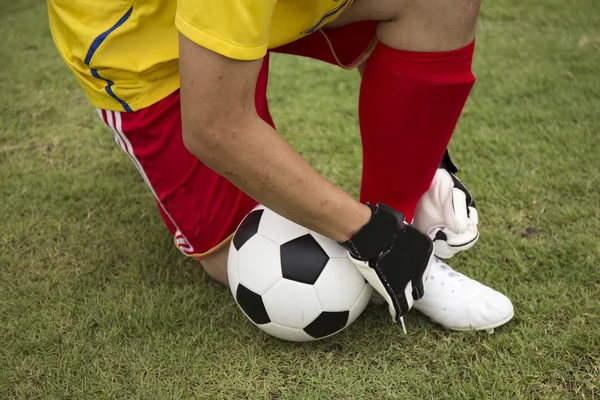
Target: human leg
point(200, 208)
point(439, 78)
point(414, 86)
point(215, 266)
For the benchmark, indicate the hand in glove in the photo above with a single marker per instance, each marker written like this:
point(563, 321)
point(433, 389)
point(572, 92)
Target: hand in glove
point(393, 256)
point(447, 213)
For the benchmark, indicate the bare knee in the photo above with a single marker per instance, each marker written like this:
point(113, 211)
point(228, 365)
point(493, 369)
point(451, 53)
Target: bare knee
point(420, 25)
point(431, 25)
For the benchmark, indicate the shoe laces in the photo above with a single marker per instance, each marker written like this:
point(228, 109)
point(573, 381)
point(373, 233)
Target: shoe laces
point(446, 275)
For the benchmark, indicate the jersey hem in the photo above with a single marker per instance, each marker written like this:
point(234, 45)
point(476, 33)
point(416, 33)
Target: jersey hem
point(107, 103)
point(217, 45)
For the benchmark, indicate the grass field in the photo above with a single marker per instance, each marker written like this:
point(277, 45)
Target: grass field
point(95, 302)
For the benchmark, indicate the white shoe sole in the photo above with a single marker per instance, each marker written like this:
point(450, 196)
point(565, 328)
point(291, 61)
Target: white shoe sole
point(488, 328)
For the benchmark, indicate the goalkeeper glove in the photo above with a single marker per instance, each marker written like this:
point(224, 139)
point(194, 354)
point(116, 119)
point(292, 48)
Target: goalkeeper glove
point(393, 256)
point(447, 212)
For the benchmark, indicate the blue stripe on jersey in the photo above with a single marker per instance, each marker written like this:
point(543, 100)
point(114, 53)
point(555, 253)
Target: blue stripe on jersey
point(108, 89)
point(92, 50)
point(98, 41)
point(324, 17)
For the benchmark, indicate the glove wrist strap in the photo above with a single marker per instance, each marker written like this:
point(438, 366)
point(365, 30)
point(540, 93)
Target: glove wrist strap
point(377, 235)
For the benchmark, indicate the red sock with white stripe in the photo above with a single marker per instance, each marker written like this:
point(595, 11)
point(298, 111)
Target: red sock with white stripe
point(409, 105)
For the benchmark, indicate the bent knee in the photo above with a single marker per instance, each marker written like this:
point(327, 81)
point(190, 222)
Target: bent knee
point(431, 25)
point(435, 18)
point(396, 10)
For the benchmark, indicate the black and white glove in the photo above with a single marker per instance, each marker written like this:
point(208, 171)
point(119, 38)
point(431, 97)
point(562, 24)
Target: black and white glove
point(447, 213)
point(393, 256)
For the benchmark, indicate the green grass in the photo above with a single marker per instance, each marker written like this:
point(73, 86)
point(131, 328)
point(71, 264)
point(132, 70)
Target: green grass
point(96, 303)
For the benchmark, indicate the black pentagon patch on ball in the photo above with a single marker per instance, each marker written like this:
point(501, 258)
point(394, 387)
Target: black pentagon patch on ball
point(328, 323)
point(247, 228)
point(302, 259)
point(252, 304)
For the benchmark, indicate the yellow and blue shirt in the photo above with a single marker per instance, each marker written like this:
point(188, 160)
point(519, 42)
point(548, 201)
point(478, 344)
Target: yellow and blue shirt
point(124, 53)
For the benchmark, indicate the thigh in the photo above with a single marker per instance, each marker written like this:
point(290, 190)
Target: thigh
point(369, 10)
point(201, 208)
point(347, 46)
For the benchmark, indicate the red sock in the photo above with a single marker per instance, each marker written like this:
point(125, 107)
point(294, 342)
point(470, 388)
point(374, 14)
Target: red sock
point(408, 108)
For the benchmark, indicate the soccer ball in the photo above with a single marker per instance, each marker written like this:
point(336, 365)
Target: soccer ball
point(291, 282)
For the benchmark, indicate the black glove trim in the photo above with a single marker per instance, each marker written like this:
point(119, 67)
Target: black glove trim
point(391, 254)
point(377, 235)
point(447, 163)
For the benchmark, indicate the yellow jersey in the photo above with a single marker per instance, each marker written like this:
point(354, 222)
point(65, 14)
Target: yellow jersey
point(124, 53)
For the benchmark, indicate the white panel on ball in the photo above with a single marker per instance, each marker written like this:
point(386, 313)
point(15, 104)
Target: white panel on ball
point(292, 304)
point(339, 285)
point(258, 264)
point(331, 247)
point(283, 332)
point(279, 229)
point(361, 303)
point(232, 274)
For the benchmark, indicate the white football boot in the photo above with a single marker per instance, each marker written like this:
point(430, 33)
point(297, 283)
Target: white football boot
point(460, 303)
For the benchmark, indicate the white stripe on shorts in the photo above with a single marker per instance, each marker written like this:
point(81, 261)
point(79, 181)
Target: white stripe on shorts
point(113, 120)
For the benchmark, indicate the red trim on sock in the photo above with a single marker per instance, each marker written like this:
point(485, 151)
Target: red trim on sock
point(444, 66)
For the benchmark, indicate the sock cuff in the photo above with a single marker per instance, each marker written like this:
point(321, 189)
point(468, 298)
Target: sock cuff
point(439, 66)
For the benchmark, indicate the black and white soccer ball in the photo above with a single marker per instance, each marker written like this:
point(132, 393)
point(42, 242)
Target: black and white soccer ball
point(291, 282)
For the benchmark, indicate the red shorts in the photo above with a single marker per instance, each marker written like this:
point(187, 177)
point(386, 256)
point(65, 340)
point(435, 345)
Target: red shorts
point(200, 208)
